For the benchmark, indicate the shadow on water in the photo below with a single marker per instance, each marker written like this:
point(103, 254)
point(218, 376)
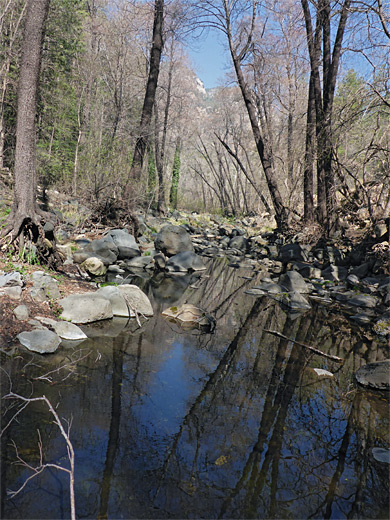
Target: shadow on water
point(174, 424)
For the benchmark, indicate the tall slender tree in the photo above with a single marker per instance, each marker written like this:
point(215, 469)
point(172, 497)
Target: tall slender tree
point(150, 93)
point(25, 213)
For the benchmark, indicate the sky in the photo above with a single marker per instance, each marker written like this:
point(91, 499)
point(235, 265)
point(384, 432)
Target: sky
point(210, 59)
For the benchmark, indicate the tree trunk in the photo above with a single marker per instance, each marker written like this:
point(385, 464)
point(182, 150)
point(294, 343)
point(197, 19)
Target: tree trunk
point(150, 94)
point(263, 150)
point(308, 175)
point(25, 207)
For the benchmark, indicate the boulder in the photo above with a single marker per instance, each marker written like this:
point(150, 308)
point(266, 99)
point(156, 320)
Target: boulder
point(126, 300)
point(139, 262)
point(189, 317)
point(375, 376)
point(185, 262)
point(173, 240)
point(66, 330)
point(94, 266)
point(14, 292)
point(104, 248)
point(42, 341)
point(363, 300)
point(85, 308)
point(292, 281)
point(45, 287)
point(126, 243)
point(11, 279)
point(239, 242)
point(291, 252)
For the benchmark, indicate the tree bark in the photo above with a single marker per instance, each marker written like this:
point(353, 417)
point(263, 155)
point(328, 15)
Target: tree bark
point(25, 207)
point(150, 94)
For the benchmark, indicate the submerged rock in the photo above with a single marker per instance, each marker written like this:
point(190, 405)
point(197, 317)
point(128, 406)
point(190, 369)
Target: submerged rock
point(189, 317)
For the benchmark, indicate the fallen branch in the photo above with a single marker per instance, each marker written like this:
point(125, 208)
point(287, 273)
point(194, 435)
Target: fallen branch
point(315, 350)
point(37, 470)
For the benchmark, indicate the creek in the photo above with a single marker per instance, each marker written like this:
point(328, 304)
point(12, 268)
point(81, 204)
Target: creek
point(173, 423)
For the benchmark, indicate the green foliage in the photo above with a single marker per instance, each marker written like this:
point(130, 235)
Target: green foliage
point(175, 178)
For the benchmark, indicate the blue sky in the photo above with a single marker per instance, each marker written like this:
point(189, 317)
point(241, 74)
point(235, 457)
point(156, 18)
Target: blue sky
point(209, 59)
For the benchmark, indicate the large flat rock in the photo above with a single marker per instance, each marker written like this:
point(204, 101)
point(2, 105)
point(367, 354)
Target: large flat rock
point(85, 308)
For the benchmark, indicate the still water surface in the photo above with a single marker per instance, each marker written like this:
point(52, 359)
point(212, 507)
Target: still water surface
point(168, 423)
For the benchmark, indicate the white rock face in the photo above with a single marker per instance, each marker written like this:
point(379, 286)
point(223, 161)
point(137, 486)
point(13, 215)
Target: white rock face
point(137, 300)
point(85, 308)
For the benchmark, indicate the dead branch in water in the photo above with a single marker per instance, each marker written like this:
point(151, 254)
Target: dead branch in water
point(312, 349)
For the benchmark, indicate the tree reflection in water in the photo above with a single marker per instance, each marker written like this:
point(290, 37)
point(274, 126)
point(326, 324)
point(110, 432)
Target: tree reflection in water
point(236, 424)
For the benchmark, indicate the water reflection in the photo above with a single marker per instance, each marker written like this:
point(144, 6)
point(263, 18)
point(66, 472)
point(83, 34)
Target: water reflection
point(235, 424)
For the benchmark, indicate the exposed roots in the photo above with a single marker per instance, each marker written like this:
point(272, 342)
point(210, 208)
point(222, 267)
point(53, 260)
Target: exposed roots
point(25, 237)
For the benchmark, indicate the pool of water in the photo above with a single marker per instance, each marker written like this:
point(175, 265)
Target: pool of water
point(168, 423)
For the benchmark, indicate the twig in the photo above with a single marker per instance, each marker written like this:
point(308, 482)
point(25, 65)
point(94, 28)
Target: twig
point(315, 350)
point(42, 466)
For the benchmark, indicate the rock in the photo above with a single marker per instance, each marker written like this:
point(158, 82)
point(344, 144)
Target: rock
point(105, 249)
point(160, 261)
point(374, 376)
point(268, 286)
point(323, 373)
point(11, 279)
point(363, 300)
point(126, 243)
point(85, 308)
point(295, 301)
point(42, 341)
point(381, 455)
point(137, 299)
point(308, 271)
point(189, 317)
point(94, 266)
point(67, 330)
point(362, 270)
point(21, 312)
point(173, 240)
point(45, 287)
point(353, 281)
point(292, 281)
point(126, 300)
point(382, 327)
point(239, 242)
point(46, 321)
point(334, 273)
point(65, 250)
point(140, 262)
point(14, 292)
point(291, 252)
point(185, 262)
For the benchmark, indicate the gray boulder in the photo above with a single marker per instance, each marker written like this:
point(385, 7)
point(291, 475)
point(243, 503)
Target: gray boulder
point(85, 308)
point(173, 240)
point(363, 300)
point(126, 300)
point(185, 262)
point(239, 242)
point(44, 287)
point(11, 279)
point(291, 252)
point(139, 262)
point(67, 330)
point(42, 341)
point(126, 243)
point(375, 376)
point(104, 248)
point(292, 281)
